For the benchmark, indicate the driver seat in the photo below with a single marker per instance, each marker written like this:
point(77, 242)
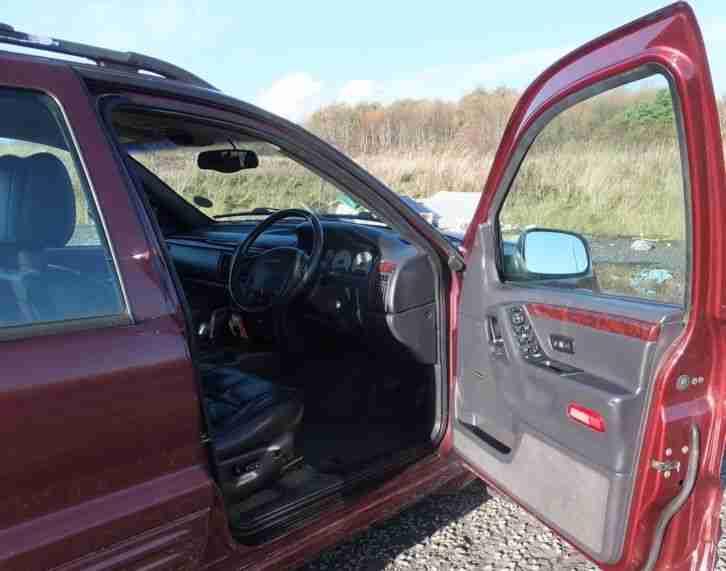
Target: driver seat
point(253, 424)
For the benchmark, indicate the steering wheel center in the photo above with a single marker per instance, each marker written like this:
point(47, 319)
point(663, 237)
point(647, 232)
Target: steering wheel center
point(277, 276)
point(272, 273)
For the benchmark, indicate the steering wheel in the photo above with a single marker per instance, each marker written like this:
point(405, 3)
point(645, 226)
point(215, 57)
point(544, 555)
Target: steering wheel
point(276, 277)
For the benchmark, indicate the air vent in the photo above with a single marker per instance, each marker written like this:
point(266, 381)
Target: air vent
point(381, 293)
point(384, 271)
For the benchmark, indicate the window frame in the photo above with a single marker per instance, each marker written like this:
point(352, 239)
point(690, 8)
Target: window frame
point(520, 154)
point(124, 317)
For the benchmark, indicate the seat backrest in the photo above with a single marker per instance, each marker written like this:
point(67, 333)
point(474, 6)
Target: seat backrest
point(37, 213)
point(37, 204)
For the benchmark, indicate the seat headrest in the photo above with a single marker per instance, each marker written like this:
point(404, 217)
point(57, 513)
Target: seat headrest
point(37, 203)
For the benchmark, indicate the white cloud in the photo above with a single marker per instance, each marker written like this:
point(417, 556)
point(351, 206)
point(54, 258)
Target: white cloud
point(298, 94)
point(357, 90)
point(293, 96)
point(450, 82)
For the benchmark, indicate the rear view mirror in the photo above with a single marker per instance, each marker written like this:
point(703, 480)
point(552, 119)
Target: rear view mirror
point(227, 160)
point(203, 202)
point(553, 253)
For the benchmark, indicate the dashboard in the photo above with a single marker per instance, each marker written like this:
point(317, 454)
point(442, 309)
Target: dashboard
point(372, 282)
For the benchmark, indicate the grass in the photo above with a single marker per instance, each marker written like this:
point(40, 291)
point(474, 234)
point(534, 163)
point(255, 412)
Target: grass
point(601, 191)
point(596, 190)
point(278, 182)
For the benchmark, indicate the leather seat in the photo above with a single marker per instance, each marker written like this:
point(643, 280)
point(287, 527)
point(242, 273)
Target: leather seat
point(38, 213)
point(253, 423)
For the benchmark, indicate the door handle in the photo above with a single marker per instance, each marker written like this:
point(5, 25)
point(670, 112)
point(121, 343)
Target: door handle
point(494, 335)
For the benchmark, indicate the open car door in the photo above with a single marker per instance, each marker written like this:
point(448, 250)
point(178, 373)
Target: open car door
point(588, 380)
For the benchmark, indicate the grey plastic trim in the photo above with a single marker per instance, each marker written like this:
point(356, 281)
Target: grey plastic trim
point(497, 293)
point(676, 503)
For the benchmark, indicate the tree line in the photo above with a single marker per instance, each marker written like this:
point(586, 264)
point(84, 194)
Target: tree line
point(475, 122)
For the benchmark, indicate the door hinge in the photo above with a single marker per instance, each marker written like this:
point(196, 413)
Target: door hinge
point(666, 467)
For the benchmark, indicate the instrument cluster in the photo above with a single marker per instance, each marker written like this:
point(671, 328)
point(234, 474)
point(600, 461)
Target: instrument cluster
point(345, 261)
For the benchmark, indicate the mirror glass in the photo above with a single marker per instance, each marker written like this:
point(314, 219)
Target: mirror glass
point(552, 253)
point(227, 160)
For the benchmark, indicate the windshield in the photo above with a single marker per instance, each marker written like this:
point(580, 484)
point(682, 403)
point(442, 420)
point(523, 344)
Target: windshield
point(170, 148)
point(278, 182)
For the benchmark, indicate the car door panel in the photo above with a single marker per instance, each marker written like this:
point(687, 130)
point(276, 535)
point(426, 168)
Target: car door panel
point(100, 418)
point(174, 546)
point(523, 405)
point(606, 444)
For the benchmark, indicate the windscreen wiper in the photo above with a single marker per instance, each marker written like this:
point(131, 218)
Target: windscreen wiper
point(261, 211)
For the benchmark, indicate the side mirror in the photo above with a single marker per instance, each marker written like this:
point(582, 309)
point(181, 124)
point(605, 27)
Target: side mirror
point(227, 160)
point(553, 254)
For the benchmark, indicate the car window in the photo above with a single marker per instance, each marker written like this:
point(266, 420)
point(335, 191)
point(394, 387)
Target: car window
point(602, 180)
point(276, 183)
point(55, 263)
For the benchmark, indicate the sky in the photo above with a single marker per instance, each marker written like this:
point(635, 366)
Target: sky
point(292, 57)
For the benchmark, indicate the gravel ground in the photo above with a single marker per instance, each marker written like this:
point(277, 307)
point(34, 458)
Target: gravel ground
point(466, 530)
point(669, 254)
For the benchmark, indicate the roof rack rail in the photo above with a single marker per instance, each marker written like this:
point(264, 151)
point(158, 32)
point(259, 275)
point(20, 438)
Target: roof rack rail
point(112, 59)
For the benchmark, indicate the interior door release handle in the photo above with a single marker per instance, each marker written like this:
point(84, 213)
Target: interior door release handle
point(562, 344)
point(494, 334)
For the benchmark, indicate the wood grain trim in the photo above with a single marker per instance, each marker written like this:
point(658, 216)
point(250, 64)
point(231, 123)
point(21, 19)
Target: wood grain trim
point(626, 326)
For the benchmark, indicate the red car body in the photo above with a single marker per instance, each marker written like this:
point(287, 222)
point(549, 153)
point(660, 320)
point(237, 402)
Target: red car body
point(103, 463)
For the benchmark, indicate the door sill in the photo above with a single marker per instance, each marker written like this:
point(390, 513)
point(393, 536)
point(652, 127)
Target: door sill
point(251, 526)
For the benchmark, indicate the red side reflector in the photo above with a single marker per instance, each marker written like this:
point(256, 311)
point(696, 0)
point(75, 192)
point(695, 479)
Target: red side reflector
point(589, 418)
point(386, 267)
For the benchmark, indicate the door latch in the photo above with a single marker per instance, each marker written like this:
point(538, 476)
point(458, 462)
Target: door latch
point(666, 467)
